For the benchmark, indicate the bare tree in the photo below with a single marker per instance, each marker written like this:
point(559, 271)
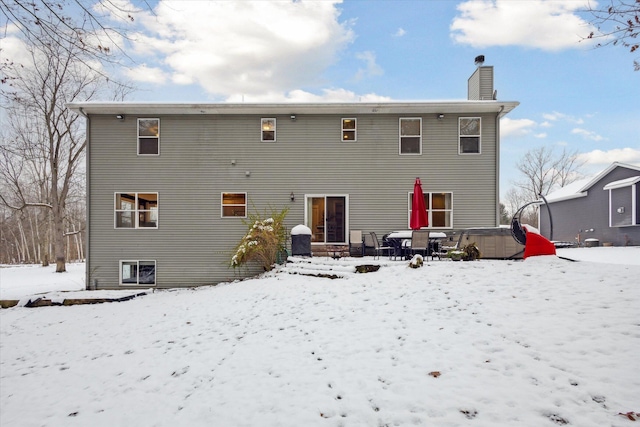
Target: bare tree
point(505, 218)
point(515, 198)
point(618, 23)
point(73, 25)
point(45, 142)
point(544, 170)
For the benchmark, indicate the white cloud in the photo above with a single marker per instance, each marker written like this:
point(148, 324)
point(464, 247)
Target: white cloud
point(556, 116)
point(243, 47)
point(146, 74)
point(13, 48)
point(605, 158)
point(541, 135)
point(328, 95)
point(401, 32)
point(586, 134)
point(542, 24)
point(516, 127)
point(372, 68)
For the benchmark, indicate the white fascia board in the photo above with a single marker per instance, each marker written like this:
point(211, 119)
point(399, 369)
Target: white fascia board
point(622, 183)
point(563, 198)
point(407, 107)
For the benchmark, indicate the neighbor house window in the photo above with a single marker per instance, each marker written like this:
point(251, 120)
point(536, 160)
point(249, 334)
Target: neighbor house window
point(624, 198)
point(136, 210)
point(234, 204)
point(411, 135)
point(148, 137)
point(469, 133)
point(349, 130)
point(138, 273)
point(268, 127)
point(439, 209)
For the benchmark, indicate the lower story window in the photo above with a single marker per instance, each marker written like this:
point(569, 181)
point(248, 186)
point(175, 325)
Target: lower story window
point(136, 210)
point(439, 209)
point(234, 204)
point(138, 273)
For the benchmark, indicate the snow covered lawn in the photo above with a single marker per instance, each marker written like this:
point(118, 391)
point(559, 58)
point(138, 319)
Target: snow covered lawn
point(487, 343)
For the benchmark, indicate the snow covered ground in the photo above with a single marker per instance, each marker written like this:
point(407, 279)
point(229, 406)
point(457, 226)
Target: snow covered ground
point(538, 342)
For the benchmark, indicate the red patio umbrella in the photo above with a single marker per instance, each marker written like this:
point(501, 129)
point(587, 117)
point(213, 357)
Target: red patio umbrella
point(419, 217)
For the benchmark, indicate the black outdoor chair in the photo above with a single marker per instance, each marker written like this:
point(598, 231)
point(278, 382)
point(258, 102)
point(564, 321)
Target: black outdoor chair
point(378, 248)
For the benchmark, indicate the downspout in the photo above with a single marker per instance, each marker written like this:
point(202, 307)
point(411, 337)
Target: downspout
point(87, 280)
point(498, 165)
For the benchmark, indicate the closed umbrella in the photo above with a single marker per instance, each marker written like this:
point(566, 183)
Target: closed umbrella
point(419, 217)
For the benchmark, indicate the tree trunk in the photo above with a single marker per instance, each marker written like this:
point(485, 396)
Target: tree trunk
point(58, 238)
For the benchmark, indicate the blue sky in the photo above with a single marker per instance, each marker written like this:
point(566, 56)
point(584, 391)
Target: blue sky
point(571, 95)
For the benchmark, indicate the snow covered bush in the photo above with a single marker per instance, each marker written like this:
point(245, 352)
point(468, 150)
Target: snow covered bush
point(416, 261)
point(265, 238)
point(471, 252)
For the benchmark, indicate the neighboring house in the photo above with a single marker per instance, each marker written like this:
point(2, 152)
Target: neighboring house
point(604, 207)
point(168, 185)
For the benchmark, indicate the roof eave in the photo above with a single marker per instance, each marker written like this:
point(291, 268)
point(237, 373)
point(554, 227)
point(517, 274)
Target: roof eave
point(418, 107)
point(605, 172)
point(563, 198)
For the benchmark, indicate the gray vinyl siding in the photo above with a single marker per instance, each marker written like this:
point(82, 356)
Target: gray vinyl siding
point(193, 244)
point(480, 84)
point(579, 216)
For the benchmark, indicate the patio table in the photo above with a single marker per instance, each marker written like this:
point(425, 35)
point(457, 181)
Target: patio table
point(401, 240)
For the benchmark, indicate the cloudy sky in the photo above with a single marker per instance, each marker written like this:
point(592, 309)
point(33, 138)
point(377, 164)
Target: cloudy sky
point(572, 96)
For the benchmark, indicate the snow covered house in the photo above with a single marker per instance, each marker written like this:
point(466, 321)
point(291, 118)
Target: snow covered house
point(169, 184)
point(603, 208)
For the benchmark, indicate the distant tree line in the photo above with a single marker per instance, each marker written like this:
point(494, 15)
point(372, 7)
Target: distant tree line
point(42, 155)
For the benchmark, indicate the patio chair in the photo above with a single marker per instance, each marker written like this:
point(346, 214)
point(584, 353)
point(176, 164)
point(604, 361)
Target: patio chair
point(420, 242)
point(378, 248)
point(435, 249)
point(356, 243)
point(368, 244)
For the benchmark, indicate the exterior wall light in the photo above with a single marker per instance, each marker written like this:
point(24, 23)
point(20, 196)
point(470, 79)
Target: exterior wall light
point(292, 197)
point(120, 116)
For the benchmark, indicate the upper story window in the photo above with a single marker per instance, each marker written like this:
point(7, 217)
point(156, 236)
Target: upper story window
point(349, 130)
point(268, 129)
point(439, 209)
point(234, 204)
point(149, 137)
point(469, 133)
point(411, 135)
point(136, 210)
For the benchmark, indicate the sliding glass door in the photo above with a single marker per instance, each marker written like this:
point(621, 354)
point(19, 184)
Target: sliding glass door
point(326, 216)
